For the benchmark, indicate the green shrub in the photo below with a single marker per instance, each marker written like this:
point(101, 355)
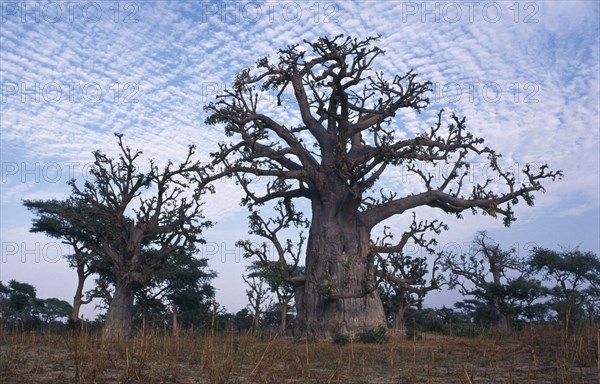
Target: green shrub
point(341, 338)
point(373, 335)
point(466, 330)
point(412, 332)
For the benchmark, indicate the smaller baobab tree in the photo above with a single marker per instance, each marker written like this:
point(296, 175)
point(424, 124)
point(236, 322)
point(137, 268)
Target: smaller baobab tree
point(279, 269)
point(485, 274)
point(134, 220)
point(402, 278)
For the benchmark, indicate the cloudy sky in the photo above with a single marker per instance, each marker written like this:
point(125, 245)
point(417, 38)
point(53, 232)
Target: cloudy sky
point(526, 75)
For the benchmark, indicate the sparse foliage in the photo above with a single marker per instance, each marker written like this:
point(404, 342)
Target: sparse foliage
point(496, 280)
point(52, 218)
point(281, 270)
point(333, 142)
point(402, 278)
point(21, 309)
point(135, 220)
point(257, 300)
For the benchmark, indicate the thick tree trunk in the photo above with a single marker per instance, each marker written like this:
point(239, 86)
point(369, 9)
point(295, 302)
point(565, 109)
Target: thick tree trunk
point(339, 292)
point(398, 320)
point(501, 320)
point(119, 318)
point(283, 309)
point(175, 322)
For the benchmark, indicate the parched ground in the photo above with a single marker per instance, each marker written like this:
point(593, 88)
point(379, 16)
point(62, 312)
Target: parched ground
point(528, 356)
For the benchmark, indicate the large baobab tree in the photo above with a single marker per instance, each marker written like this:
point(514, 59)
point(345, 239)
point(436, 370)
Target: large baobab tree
point(332, 140)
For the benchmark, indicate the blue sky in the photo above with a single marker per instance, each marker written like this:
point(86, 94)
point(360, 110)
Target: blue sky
point(525, 74)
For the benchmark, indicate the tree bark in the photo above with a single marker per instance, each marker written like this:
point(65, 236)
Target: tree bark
point(78, 298)
point(501, 320)
point(299, 305)
point(119, 318)
point(340, 293)
point(398, 321)
point(283, 309)
point(175, 322)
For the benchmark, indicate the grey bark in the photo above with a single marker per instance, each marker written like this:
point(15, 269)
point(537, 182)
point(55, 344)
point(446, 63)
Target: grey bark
point(283, 309)
point(340, 293)
point(119, 318)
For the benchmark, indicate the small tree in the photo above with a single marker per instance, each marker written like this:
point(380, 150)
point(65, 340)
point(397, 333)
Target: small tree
point(571, 271)
point(485, 274)
point(52, 219)
point(180, 288)
point(19, 305)
point(52, 309)
point(243, 320)
point(21, 309)
point(257, 300)
point(281, 271)
point(523, 296)
point(402, 278)
point(592, 303)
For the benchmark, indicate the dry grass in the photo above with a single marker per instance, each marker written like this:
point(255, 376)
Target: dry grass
point(530, 356)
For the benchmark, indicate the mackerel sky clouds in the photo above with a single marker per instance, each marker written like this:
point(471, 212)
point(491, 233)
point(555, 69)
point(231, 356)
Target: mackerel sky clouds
point(525, 74)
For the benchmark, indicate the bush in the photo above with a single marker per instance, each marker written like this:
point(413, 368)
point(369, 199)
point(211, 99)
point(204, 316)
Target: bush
point(412, 332)
point(466, 330)
point(341, 338)
point(373, 335)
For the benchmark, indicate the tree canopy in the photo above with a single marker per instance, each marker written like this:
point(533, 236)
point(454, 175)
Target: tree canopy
point(336, 142)
point(134, 219)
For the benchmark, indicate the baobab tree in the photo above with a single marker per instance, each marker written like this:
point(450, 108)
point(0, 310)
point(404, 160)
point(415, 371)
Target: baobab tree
point(133, 220)
point(257, 299)
point(333, 142)
point(485, 274)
